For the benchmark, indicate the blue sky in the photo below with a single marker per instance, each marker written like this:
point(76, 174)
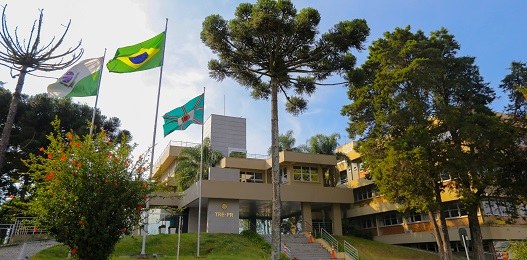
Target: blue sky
point(495, 32)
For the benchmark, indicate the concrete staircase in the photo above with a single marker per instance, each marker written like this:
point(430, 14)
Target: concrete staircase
point(302, 250)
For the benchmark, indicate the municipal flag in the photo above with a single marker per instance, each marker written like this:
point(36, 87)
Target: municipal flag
point(142, 56)
point(181, 117)
point(80, 80)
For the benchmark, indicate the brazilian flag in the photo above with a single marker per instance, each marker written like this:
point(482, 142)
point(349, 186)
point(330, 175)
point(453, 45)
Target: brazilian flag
point(142, 56)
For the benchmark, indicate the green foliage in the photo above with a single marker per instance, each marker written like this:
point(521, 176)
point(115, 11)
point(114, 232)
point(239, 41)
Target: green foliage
point(33, 121)
point(187, 168)
point(286, 142)
point(88, 191)
point(238, 155)
point(270, 41)
point(422, 111)
point(518, 249)
point(256, 239)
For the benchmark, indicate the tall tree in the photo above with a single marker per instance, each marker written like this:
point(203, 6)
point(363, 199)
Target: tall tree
point(269, 47)
point(26, 56)
point(423, 112)
point(188, 164)
point(515, 86)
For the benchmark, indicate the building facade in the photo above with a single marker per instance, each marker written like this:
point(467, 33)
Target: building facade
point(237, 194)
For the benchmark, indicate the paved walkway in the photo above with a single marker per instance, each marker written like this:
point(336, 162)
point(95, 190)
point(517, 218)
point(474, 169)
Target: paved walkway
point(31, 248)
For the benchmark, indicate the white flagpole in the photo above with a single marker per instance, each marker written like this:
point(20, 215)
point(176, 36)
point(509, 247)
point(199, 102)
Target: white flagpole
point(97, 96)
point(147, 206)
point(200, 172)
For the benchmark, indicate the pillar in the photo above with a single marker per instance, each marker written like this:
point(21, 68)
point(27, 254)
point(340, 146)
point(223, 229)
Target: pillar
point(307, 217)
point(336, 218)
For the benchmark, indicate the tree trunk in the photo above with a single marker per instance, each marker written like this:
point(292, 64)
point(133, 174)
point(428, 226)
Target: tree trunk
point(437, 234)
point(275, 230)
point(475, 232)
point(13, 107)
point(444, 228)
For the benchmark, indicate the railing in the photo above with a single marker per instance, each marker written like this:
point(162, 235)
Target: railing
point(350, 250)
point(318, 226)
point(332, 241)
point(173, 143)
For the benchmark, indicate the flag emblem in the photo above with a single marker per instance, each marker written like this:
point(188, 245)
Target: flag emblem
point(80, 80)
point(142, 56)
point(181, 117)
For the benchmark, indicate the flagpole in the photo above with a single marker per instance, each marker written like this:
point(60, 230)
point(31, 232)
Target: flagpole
point(200, 173)
point(97, 96)
point(147, 206)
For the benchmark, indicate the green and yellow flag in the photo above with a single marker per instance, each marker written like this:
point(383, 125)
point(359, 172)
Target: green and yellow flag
point(142, 56)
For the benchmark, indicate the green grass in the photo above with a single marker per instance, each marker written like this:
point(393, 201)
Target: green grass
point(213, 246)
point(369, 249)
point(233, 246)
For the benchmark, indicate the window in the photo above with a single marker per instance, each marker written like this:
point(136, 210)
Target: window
point(495, 207)
point(255, 177)
point(417, 217)
point(367, 222)
point(283, 175)
point(304, 173)
point(343, 176)
point(391, 218)
point(364, 193)
point(452, 210)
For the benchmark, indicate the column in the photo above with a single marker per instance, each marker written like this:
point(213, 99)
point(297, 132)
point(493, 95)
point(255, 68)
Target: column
point(336, 218)
point(307, 217)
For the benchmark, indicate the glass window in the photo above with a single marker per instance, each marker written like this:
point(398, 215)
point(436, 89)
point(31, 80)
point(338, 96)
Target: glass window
point(452, 210)
point(368, 222)
point(283, 175)
point(343, 176)
point(364, 193)
point(255, 177)
point(304, 173)
point(496, 207)
point(417, 217)
point(391, 218)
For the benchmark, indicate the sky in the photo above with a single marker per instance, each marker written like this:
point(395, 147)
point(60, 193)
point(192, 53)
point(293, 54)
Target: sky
point(495, 32)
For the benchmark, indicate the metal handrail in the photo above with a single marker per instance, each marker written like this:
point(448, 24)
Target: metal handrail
point(330, 239)
point(352, 252)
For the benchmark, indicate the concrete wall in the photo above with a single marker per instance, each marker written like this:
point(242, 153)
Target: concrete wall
point(226, 132)
point(193, 220)
point(223, 216)
point(224, 174)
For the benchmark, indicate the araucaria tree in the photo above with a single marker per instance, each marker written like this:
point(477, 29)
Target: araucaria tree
point(269, 47)
point(25, 56)
point(422, 113)
point(89, 192)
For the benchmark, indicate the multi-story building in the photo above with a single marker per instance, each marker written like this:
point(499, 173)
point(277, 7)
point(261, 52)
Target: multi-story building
point(238, 193)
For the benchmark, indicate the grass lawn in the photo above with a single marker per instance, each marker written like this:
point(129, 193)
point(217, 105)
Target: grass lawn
point(369, 249)
point(234, 247)
point(213, 246)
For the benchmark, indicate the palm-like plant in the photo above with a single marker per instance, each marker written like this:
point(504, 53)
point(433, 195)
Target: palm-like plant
point(286, 142)
point(327, 144)
point(187, 168)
